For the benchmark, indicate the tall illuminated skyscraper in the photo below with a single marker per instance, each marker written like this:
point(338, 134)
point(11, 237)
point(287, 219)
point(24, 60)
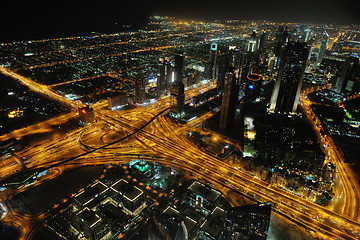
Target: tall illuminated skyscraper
point(229, 100)
point(287, 87)
point(252, 46)
point(212, 63)
point(177, 98)
point(307, 36)
point(282, 37)
point(139, 87)
point(253, 85)
point(323, 46)
point(164, 74)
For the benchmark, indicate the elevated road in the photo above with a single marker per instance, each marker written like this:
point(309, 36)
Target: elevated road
point(153, 134)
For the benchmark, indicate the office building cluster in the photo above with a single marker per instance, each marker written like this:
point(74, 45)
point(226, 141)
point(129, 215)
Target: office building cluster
point(128, 199)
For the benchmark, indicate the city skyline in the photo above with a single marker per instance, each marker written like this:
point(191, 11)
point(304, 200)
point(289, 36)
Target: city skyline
point(38, 21)
point(181, 129)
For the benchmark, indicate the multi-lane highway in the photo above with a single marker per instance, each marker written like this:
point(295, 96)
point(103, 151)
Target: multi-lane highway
point(122, 135)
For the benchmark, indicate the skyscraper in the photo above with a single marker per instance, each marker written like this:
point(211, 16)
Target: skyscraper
point(139, 88)
point(252, 46)
point(177, 97)
point(226, 60)
point(307, 36)
point(323, 46)
point(287, 87)
point(164, 74)
point(349, 80)
point(229, 100)
point(212, 63)
point(248, 222)
point(253, 85)
point(282, 37)
point(261, 45)
point(179, 67)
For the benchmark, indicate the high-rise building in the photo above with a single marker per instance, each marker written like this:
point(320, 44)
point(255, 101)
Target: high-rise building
point(253, 85)
point(225, 61)
point(118, 101)
point(179, 67)
point(212, 63)
point(287, 87)
point(252, 46)
point(164, 74)
point(182, 233)
point(177, 97)
point(248, 222)
point(323, 46)
point(307, 36)
point(262, 41)
point(139, 88)
point(229, 100)
point(86, 115)
point(282, 37)
point(349, 80)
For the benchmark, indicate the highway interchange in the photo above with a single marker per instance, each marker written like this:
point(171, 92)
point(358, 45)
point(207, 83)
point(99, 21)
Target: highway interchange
point(118, 136)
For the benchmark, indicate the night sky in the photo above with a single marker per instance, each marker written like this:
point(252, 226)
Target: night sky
point(33, 20)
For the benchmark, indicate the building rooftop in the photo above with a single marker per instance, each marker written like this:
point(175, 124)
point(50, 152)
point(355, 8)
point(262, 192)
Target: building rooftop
point(88, 217)
point(129, 192)
point(172, 212)
point(90, 193)
point(254, 77)
point(215, 222)
point(205, 191)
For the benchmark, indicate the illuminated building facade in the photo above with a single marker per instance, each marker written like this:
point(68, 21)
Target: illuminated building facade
point(177, 97)
point(228, 58)
point(86, 115)
point(139, 88)
point(249, 222)
point(202, 197)
point(253, 85)
point(117, 102)
point(287, 87)
point(282, 37)
point(211, 66)
point(164, 74)
point(91, 224)
point(229, 101)
point(349, 80)
point(252, 46)
point(323, 46)
point(131, 196)
point(179, 68)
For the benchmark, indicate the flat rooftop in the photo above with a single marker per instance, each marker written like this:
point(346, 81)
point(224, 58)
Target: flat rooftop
point(215, 222)
point(172, 212)
point(90, 193)
point(128, 191)
point(88, 217)
point(205, 191)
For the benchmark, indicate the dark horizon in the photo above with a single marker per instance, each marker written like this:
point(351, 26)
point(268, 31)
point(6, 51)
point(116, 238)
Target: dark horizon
point(32, 22)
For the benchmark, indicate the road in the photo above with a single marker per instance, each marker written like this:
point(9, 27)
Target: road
point(350, 192)
point(116, 135)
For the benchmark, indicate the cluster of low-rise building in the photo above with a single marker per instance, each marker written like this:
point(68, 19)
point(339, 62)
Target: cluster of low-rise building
point(121, 204)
